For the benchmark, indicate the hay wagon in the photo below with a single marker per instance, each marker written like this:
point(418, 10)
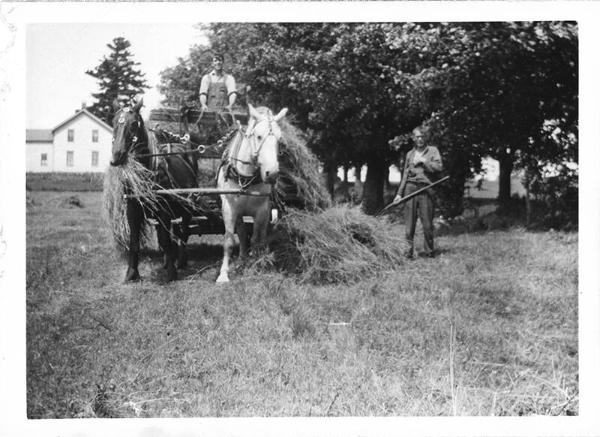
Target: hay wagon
point(200, 132)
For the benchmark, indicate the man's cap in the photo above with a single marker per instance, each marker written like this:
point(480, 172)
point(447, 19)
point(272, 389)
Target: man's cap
point(219, 57)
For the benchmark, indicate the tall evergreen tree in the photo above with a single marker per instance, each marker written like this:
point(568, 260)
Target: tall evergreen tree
point(117, 76)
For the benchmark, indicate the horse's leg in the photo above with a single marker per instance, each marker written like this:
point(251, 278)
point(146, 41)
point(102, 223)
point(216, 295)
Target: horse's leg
point(135, 217)
point(182, 233)
point(259, 235)
point(242, 232)
point(229, 220)
point(166, 244)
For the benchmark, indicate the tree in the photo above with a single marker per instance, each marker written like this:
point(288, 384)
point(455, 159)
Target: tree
point(496, 87)
point(117, 76)
point(485, 89)
point(333, 77)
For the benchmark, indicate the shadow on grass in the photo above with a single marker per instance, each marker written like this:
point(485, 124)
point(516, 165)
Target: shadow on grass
point(201, 257)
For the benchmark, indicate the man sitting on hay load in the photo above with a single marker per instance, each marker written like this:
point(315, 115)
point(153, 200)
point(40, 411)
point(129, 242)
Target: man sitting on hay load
point(217, 88)
point(218, 91)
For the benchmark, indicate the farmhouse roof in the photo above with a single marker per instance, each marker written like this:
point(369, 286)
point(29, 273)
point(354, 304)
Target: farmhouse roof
point(84, 112)
point(38, 135)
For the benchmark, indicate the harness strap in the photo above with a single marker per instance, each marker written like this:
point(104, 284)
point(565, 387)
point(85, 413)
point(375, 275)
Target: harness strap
point(243, 181)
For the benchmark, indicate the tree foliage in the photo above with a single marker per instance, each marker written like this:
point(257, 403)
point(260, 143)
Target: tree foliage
point(505, 90)
point(118, 76)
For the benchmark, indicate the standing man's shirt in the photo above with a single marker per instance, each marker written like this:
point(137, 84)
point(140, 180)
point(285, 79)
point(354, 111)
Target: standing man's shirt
point(421, 167)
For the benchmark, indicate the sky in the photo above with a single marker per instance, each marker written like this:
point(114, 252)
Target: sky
point(57, 56)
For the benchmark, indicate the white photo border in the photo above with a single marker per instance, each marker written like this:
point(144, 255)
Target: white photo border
point(14, 17)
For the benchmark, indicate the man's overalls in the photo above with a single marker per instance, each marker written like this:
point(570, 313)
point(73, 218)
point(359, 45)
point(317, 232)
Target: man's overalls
point(216, 100)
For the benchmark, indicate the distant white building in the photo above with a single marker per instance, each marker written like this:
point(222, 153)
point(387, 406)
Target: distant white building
point(81, 143)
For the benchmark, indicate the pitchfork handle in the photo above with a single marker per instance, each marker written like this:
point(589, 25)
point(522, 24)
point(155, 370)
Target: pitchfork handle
point(413, 194)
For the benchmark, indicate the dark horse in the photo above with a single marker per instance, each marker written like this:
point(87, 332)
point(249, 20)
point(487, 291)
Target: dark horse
point(132, 141)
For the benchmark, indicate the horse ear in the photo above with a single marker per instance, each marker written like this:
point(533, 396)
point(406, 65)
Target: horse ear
point(281, 114)
point(116, 105)
point(139, 105)
point(253, 112)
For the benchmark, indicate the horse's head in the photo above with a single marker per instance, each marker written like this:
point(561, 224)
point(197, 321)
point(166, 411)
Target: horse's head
point(262, 143)
point(128, 131)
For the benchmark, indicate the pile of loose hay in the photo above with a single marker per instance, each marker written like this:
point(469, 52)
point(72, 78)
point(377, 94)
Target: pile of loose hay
point(340, 244)
point(299, 184)
point(131, 178)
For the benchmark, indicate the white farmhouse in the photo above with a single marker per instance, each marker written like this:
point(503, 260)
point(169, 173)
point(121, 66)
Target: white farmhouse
point(80, 144)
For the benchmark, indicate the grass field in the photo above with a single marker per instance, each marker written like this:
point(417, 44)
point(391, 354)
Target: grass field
point(487, 328)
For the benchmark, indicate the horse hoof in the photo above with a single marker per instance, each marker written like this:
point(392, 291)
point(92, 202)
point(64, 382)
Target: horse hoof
point(172, 276)
point(222, 279)
point(132, 275)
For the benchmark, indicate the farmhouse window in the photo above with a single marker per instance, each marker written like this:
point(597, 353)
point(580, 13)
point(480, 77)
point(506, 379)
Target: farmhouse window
point(94, 158)
point(70, 154)
point(44, 162)
point(95, 136)
point(70, 135)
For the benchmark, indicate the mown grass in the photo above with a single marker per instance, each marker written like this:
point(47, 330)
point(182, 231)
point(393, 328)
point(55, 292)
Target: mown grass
point(487, 328)
point(63, 181)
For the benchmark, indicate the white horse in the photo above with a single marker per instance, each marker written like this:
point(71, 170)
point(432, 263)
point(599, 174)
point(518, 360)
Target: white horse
point(252, 164)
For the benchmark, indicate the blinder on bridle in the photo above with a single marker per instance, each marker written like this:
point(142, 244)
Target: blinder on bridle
point(255, 145)
point(255, 142)
point(130, 134)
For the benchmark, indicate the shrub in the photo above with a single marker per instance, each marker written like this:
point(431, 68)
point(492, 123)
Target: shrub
point(556, 200)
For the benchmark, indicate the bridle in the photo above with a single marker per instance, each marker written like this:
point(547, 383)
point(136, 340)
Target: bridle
point(135, 138)
point(255, 146)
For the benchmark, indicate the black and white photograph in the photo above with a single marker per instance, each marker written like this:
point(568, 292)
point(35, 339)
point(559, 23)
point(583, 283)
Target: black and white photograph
point(307, 221)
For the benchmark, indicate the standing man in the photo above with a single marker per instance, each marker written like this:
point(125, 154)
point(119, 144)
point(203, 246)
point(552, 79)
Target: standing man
point(217, 88)
point(421, 167)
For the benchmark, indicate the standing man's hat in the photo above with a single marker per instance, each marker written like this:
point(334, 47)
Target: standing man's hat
point(218, 57)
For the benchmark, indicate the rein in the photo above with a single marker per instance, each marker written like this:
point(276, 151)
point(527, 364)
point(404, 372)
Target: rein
point(201, 148)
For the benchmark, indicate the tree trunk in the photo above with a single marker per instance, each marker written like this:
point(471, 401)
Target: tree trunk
point(527, 198)
point(331, 173)
point(358, 185)
point(506, 168)
point(373, 188)
point(346, 169)
point(386, 176)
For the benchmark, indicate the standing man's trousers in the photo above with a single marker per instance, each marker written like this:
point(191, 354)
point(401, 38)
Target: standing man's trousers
point(420, 206)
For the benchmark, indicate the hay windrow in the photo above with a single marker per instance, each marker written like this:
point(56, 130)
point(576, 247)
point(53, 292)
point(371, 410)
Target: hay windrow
point(340, 244)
